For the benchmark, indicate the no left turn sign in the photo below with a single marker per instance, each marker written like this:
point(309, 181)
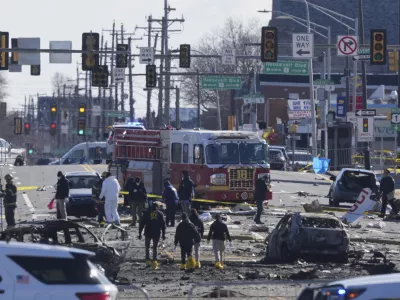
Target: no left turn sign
point(347, 45)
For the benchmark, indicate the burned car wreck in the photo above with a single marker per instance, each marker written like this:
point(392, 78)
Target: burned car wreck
point(302, 234)
point(71, 234)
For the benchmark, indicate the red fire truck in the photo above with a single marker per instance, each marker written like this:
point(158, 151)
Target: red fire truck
point(223, 164)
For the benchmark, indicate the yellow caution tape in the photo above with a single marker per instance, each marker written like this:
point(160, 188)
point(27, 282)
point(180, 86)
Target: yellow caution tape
point(27, 188)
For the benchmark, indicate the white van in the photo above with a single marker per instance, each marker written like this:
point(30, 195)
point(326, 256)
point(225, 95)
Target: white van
point(360, 288)
point(34, 271)
point(85, 153)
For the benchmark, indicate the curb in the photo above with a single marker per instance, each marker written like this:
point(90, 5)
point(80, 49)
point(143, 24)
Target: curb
point(375, 240)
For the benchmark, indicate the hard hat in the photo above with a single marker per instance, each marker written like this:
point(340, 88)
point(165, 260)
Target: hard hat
point(8, 177)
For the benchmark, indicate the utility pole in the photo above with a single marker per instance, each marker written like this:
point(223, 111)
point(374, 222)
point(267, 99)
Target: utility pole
point(131, 101)
point(363, 65)
point(148, 104)
point(100, 100)
point(122, 83)
point(104, 106)
point(115, 83)
point(177, 108)
point(86, 85)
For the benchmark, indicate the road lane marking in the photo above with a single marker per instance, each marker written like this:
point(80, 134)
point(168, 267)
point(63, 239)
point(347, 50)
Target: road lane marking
point(30, 206)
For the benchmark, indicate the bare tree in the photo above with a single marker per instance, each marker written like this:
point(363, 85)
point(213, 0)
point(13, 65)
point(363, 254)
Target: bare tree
point(234, 34)
point(59, 80)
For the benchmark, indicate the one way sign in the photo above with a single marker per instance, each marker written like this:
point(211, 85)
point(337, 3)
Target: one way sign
point(366, 113)
point(303, 45)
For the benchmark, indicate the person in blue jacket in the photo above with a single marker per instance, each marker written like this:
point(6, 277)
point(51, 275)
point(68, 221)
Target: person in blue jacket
point(171, 199)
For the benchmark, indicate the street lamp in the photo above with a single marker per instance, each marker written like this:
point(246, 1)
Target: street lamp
point(216, 93)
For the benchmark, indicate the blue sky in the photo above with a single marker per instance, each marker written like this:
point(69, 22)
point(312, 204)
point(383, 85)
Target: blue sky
point(56, 20)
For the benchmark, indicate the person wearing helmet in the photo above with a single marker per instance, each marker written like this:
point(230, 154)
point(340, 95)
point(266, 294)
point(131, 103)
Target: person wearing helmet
point(96, 190)
point(62, 195)
point(10, 200)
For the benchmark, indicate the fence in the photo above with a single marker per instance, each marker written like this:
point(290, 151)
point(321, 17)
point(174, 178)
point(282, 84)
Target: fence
point(345, 158)
point(269, 289)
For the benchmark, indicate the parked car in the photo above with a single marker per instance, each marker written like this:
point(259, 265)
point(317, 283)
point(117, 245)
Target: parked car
point(348, 184)
point(300, 159)
point(277, 159)
point(34, 271)
point(81, 203)
point(299, 234)
point(360, 288)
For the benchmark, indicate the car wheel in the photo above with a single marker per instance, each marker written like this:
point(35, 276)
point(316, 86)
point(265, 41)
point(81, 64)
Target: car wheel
point(334, 202)
point(286, 255)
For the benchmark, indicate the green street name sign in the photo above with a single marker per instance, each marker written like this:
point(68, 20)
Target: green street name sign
point(323, 82)
point(122, 114)
point(287, 68)
point(364, 51)
point(253, 98)
point(220, 83)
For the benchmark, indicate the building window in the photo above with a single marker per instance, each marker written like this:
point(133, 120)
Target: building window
point(185, 153)
point(176, 154)
point(198, 154)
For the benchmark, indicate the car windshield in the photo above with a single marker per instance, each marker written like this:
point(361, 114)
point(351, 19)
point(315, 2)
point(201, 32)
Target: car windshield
point(300, 157)
point(233, 153)
point(253, 153)
point(82, 182)
point(319, 222)
point(222, 153)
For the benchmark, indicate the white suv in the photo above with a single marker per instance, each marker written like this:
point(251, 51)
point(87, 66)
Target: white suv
point(34, 271)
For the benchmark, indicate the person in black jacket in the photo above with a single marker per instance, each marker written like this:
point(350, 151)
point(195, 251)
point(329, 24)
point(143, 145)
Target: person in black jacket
point(153, 224)
point(198, 223)
point(259, 196)
point(218, 232)
point(96, 190)
point(186, 235)
point(137, 198)
point(186, 191)
point(170, 197)
point(387, 188)
point(10, 200)
point(62, 196)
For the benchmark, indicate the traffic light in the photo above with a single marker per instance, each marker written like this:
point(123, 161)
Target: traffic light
point(53, 129)
point(365, 125)
point(35, 70)
point(100, 76)
point(378, 47)
point(14, 55)
point(90, 41)
point(53, 110)
point(184, 56)
point(151, 76)
point(393, 61)
point(27, 128)
point(122, 59)
point(3, 109)
point(269, 44)
point(81, 127)
point(82, 110)
point(29, 149)
point(4, 44)
point(17, 125)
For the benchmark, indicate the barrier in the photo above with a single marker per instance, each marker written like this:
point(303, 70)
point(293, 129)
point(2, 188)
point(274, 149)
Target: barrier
point(132, 292)
point(268, 289)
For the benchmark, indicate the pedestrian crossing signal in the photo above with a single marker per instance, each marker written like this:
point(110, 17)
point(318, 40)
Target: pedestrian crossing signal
point(365, 125)
point(100, 76)
point(35, 70)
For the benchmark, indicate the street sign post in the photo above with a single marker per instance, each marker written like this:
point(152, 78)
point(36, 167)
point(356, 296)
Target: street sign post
point(326, 84)
point(365, 129)
point(347, 45)
point(147, 56)
point(395, 119)
point(220, 83)
point(366, 113)
point(229, 56)
point(286, 68)
point(303, 45)
point(253, 98)
point(363, 54)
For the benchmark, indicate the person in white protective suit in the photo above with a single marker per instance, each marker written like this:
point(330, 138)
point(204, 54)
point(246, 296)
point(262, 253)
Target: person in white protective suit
point(110, 191)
